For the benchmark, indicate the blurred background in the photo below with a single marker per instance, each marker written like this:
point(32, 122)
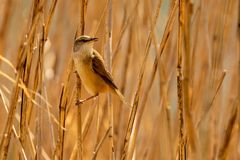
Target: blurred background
point(198, 119)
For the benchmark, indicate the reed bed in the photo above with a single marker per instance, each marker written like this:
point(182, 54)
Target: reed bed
point(177, 63)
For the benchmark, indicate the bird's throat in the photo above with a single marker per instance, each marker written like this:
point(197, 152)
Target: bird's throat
point(84, 52)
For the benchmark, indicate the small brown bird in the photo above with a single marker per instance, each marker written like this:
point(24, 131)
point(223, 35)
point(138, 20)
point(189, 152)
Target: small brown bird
point(90, 67)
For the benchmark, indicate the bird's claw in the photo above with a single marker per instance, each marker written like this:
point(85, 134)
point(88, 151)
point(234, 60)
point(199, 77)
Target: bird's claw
point(79, 102)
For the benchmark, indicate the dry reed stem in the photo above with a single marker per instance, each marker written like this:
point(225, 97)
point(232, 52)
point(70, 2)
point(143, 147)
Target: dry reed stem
point(135, 103)
point(85, 129)
point(164, 81)
point(194, 48)
point(168, 29)
point(40, 90)
point(24, 48)
point(50, 15)
point(125, 24)
point(219, 33)
point(88, 120)
point(5, 60)
point(29, 133)
point(65, 98)
point(99, 118)
point(217, 89)
point(23, 56)
point(149, 85)
point(79, 120)
point(160, 50)
point(51, 127)
point(164, 87)
point(74, 153)
point(121, 116)
point(209, 107)
point(127, 151)
point(181, 149)
point(4, 146)
point(218, 42)
point(223, 150)
point(82, 9)
point(26, 75)
point(20, 85)
point(5, 101)
point(24, 102)
point(163, 112)
point(78, 145)
point(147, 151)
point(25, 106)
point(98, 146)
point(63, 102)
point(190, 131)
point(238, 93)
point(155, 65)
point(27, 92)
point(62, 116)
point(109, 65)
point(38, 81)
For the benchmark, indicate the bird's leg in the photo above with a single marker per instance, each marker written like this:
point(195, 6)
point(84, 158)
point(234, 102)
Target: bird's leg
point(81, 101)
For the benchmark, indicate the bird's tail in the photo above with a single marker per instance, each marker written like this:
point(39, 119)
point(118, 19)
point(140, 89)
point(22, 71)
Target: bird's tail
point(122, 98)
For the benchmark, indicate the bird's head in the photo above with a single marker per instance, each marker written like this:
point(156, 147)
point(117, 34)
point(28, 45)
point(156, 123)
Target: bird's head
point(83, 41)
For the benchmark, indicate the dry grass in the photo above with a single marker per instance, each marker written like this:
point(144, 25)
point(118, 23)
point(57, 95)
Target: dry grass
point(177, 62)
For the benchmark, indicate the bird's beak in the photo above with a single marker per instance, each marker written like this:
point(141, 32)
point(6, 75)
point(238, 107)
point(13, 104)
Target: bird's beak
point(94, 39)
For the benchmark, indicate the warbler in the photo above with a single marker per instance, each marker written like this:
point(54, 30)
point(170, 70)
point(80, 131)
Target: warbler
point(91, 69)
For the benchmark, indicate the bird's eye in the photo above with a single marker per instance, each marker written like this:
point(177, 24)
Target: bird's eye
point(84, 40)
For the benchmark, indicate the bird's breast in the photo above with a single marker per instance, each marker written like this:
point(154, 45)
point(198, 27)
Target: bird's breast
point(90, 80)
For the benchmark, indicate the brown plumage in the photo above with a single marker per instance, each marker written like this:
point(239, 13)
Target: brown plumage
point(91, 69)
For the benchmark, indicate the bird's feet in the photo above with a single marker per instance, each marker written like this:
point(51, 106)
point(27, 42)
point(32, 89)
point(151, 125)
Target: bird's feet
point(81, 101)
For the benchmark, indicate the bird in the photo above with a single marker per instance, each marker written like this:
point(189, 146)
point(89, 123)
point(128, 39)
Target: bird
point(91, 69)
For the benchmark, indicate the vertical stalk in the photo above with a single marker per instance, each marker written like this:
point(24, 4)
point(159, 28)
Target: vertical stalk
point(25, 107)
point(238, 39)
point(181, 147)
point(40, 70)
point(186, 70)
point(138, 119)
point(4, 146)
point(109, 64)
point(238, 94)
point(40, 80)
point(83, 5)
point(62, 115)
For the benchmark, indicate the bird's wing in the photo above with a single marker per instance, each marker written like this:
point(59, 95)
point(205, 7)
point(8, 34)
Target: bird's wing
point(99, 68)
